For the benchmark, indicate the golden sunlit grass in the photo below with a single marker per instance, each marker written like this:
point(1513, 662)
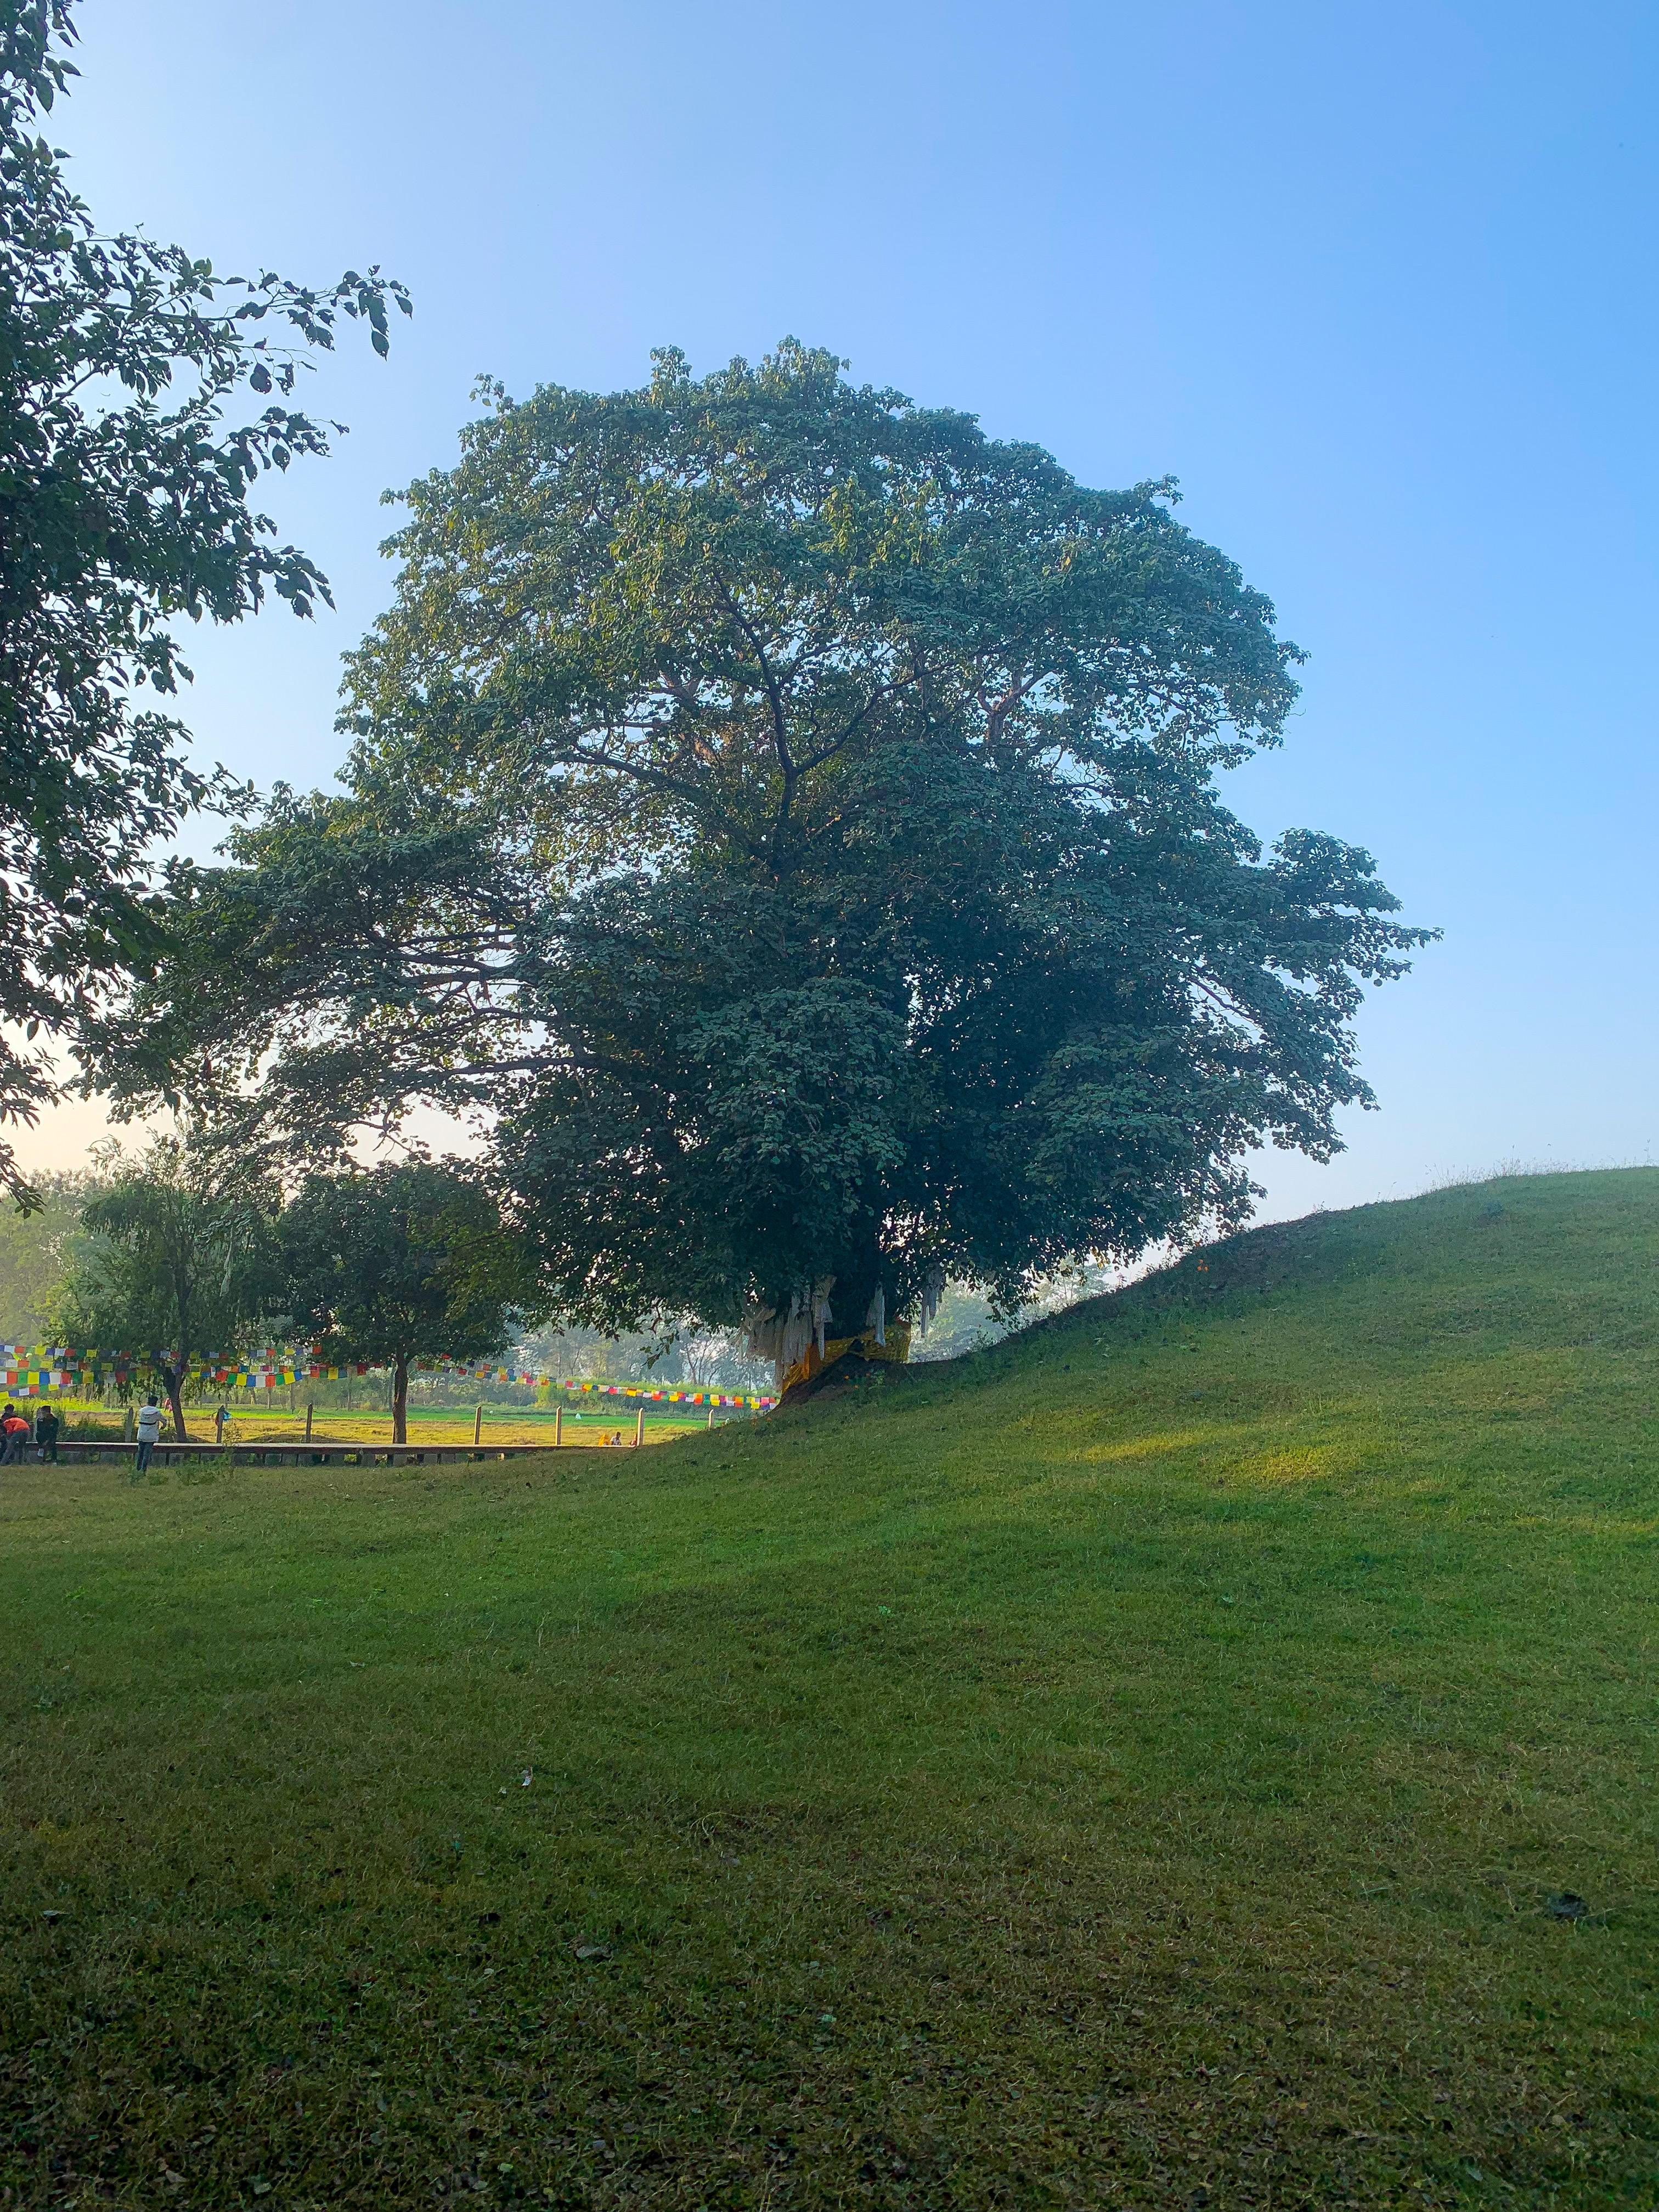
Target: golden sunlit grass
point(452, 1425)
point(1201, 1753)
point(447, 1425)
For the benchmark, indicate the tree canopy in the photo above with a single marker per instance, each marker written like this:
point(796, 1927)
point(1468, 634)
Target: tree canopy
point(791, 818)
point(37, 1249)
point(125, 502)
point(408, 1259)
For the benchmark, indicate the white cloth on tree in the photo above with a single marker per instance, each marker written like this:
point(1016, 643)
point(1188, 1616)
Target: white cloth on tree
point(783, 1338)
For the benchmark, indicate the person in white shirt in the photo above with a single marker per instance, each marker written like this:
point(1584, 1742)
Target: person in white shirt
point(149, 1433)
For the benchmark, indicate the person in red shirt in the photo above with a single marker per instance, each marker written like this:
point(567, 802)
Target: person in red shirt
point(15, 1429)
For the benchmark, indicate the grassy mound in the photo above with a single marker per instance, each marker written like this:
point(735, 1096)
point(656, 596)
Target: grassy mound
point(1202, 1752)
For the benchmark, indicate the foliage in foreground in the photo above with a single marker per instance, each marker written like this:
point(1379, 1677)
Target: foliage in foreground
point(125, 504)
point(1226, 1783)
point(790, 816)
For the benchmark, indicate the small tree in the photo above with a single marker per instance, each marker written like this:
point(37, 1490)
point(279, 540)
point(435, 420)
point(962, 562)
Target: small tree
point(398, 1263)
point(177, 1266)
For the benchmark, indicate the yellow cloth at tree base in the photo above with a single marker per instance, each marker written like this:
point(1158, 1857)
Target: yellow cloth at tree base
point(896, 1349)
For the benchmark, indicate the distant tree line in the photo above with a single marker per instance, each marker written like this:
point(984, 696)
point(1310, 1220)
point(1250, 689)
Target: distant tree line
point(171, 1255)
point(185, 1264)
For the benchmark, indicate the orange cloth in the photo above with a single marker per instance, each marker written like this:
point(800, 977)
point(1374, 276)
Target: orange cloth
point(896, 1350)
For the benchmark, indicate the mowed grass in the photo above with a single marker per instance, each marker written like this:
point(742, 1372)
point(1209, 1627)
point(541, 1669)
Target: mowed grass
point(1146, 1765)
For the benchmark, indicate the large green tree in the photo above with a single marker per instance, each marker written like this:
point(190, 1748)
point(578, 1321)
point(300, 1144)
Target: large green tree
point(792, 817)
point(125, 502)
point(399, 1263)
point(174, 1264)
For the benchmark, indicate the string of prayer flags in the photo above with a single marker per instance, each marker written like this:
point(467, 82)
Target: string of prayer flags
point(28, 1368)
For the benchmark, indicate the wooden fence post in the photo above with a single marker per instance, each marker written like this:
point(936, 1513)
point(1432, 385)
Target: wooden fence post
point(639, 1428)
point(310, 1410)
point(558, 1425)
point(477, 1426)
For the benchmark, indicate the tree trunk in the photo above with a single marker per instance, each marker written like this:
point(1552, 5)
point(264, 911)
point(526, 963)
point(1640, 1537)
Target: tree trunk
point(858, 1271)
point(400, 1401)
point(172, 1382)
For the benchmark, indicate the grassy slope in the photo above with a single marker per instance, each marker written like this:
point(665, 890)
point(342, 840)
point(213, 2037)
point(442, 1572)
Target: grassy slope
point(1130, 1763)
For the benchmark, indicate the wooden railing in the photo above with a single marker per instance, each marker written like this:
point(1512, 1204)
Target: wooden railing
point(319, 1453)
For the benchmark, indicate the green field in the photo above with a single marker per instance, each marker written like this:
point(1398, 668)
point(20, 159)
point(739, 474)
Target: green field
point(585, 1421)
point(1201, 1753)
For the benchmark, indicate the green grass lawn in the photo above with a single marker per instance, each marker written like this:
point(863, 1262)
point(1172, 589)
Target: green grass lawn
point(1149, 1764)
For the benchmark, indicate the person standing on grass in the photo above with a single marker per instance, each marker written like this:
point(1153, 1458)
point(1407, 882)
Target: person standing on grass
point(149, 1433)
point(46, 1433)
point(15, 1431)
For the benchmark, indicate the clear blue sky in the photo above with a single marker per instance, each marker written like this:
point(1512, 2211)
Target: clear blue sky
point(1377, 285)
